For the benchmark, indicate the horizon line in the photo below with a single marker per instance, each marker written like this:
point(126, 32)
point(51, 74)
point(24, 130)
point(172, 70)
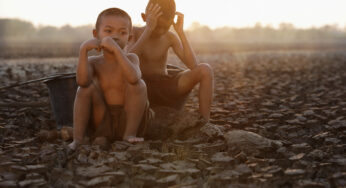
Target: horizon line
point(197, 24)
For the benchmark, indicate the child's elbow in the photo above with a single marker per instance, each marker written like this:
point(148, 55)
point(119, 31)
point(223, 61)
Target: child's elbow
point(134, 79)
point(83, 82)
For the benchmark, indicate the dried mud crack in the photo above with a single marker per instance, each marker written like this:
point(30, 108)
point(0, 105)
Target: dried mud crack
point(282, 118)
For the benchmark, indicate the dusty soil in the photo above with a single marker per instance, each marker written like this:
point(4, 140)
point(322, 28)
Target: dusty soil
point(296, 98)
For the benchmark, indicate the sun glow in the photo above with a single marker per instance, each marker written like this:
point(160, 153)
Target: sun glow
point(216, 13)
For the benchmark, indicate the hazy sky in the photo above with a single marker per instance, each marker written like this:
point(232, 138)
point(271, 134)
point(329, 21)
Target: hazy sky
point(214, 13)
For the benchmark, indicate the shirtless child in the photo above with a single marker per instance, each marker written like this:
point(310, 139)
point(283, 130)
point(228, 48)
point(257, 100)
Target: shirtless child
point(151, 44)
point(112, 94)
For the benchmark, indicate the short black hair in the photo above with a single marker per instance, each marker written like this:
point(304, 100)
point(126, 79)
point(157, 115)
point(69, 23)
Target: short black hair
point(112, 12)
point(167, 7)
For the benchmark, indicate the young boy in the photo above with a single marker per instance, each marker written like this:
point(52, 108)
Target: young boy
point(151, 44)
point(112, 94)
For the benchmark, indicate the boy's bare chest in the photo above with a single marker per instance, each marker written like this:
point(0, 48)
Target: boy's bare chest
point(109, 77)
point(155, 50)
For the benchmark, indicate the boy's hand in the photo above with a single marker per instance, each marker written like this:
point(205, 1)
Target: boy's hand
point(179, 25)
point(152, 13)
point(108, 43)
point(93, 43)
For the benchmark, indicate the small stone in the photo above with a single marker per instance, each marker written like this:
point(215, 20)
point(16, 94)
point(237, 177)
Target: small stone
point(282, 150)
point(240, 157)
point(36, 168)
point(20, 156)
point(8, 184)
point(18, 168)
point(33, 176)
point(169, 180)
point(243, 169)
point(339, 160)
point(293, 121)
point(320, 136)
point(144, 180)
point(214, 170)
point(92, 171)
point(138, 148)
point(82, 158)
point(99, 181)
point(167, 156)
point(226, 175)
point(301, 118)
point(121, 156)
point(190, 171)
point(221, 157)
point(6, 164)
point(211, 130)
point(151, 161)
point(145, 168)
point(330, 141)
point(297, 157)
point(303, 147)
point(310, 184)
point(25, 141)
point(268, 104)
point(308, 113)
point(120, 145)
point(339, 179)
point(249, 142)
point(294, 172)
point(182, 165)
point(271, 169)
point(118, 176)
point(276, 115)
point(116, 173)
point(211, 148)
point(316, 154)
point(33, 182)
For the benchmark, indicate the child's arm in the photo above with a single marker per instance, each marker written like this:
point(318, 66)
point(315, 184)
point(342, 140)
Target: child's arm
point(84, 68)
point(152, 13)
point(129, 63)
point(183, 49)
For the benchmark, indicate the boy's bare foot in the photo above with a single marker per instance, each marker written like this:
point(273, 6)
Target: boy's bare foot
point(133, 139)
point(201, 121)
point(74, 145)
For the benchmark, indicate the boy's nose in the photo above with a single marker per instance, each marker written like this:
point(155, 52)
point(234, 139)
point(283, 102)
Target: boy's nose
point(115, 39)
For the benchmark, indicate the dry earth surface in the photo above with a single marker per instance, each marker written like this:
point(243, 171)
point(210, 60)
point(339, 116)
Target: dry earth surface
point(278, 120)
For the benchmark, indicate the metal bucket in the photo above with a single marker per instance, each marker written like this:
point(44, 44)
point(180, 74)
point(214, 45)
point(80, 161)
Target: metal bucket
point(62, 92)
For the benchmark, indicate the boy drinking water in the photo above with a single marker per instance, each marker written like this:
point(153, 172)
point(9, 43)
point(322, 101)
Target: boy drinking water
point(151, 44)
point(112, 94)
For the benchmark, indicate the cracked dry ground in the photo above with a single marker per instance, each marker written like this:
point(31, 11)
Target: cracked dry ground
point(295, 98)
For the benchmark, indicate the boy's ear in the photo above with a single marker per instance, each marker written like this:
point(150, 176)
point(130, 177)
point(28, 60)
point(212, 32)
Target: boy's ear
point(143, 16)
point(95, 33)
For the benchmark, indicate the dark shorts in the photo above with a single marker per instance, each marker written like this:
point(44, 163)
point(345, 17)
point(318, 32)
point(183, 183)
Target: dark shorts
point(114, 121)
point(163, 89)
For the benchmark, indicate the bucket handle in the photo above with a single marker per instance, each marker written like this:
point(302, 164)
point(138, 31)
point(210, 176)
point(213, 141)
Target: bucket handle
point(37, 80)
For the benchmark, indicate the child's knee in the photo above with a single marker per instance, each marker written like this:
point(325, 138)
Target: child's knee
point(88, 93)
point(84, 91)
point(205, 70)
point(138, 88)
